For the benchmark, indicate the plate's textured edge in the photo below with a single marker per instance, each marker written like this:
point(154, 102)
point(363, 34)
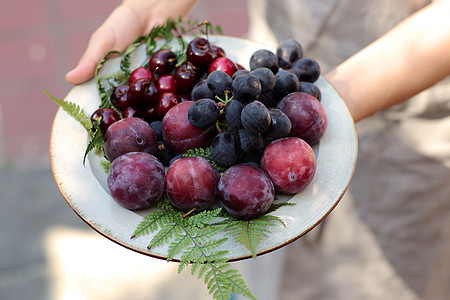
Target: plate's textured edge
point(107, 232)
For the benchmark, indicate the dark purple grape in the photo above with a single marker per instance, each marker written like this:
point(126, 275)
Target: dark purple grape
point(288, 51)
point(164, 153)
point(157, 128)
point(232, 112)
point(201, 90)
point(250, 142)
point(306, 69)
point(255, 117)
point(246, 88)
point(219, 82)
point(265, 77)
point(239, 72)
point(264, 58)
point(223, 149)
point(245, 191)
point(280, 125)
point(268, 99)
point(203, 113)
point(311, 89)
point(285, 83)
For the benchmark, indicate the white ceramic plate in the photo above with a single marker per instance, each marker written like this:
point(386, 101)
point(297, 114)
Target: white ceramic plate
point(84, 187)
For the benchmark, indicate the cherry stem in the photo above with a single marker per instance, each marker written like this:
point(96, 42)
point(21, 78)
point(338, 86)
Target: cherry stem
point(153, 74)
point(189, 212)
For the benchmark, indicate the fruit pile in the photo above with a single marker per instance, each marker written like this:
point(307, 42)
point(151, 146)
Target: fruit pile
point(256, 127)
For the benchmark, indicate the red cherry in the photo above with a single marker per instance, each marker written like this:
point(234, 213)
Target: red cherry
point(162, 61)
point(104, 117)
point(166, 102)
point(217, 51)
point(167, 83)
point(187, 76)
point(223, 64)
point(139, 73)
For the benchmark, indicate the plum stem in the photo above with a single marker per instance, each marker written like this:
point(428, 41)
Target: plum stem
point(189, 212)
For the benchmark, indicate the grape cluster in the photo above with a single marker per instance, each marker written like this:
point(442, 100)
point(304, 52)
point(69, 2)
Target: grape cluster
point(258, 124)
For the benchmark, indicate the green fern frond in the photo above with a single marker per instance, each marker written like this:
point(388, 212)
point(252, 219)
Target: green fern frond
point(106, 164)
point(73, 110)
point(204, 153)
point(250, 233)
point(95, 142)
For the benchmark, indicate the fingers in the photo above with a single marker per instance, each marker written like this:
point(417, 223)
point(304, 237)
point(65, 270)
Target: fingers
point(116, 33)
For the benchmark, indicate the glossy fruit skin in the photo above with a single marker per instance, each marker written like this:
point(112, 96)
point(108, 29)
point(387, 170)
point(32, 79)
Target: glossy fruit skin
point(136, 180)
point(187, 76)
point(129, 135)
point(199, 52)
point(191, 182)
point(143, 93)
point(133, 111)
point(140, 73)
point(166, 83)
point(290, 163)
point(179, 134)
point(223, 64)
point(217, 51)
point(119, 97)
point(308, 117)
point(106, 116)
point(162, 61)
point(165, 103)
point(245, 191)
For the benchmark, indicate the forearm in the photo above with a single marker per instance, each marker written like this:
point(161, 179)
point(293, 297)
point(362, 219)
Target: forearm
point(407, 60)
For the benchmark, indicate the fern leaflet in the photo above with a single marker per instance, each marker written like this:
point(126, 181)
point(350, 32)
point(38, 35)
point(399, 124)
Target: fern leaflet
point(73, 110)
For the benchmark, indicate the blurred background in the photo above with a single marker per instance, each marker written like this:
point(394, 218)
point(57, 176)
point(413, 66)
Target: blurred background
point(47, 252)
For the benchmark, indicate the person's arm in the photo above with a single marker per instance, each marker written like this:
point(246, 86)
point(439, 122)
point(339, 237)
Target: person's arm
point(407, 60)
point(131, 19)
